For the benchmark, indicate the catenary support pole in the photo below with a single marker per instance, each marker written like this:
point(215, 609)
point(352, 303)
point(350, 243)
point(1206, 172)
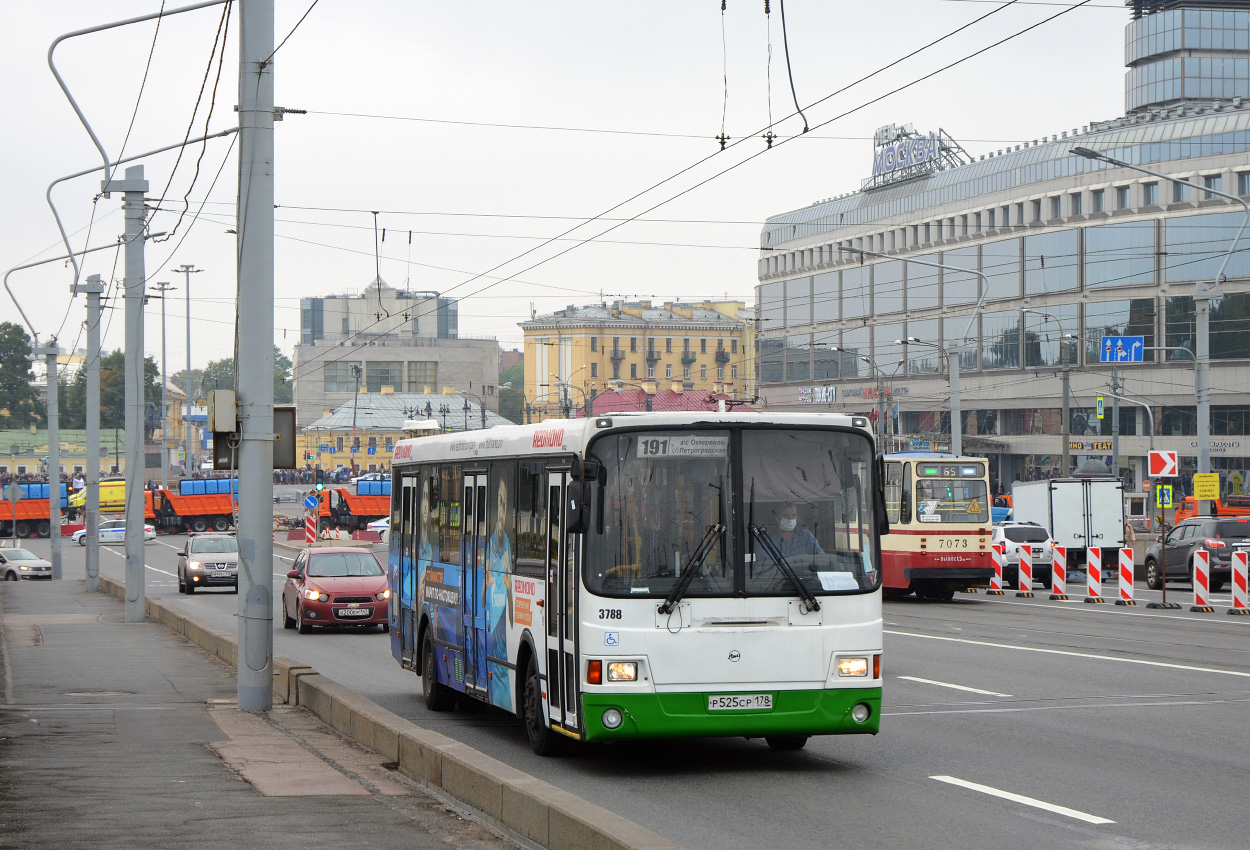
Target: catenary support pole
point(133, 187)
point(254, 361)
point(187, 270)
point(1115, 422)
point(93, 289)
point(163, 288)
point(50, 353)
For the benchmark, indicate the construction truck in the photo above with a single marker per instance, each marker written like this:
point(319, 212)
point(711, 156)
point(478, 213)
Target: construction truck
point(198, 505)
point(339, 507)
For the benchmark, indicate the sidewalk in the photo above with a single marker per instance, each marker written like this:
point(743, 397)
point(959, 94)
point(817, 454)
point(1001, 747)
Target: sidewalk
point(125, 735)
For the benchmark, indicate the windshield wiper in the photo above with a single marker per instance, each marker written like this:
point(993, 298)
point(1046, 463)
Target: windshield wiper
point(761, 535)
point(693, 565)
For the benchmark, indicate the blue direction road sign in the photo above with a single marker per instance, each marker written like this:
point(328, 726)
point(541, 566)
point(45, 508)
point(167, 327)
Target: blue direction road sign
point(310, 503)
point(1123, 349)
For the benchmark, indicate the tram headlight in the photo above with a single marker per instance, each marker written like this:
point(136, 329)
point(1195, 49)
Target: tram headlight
point(853, 666)
point(623, 671)
point(861, 712)
point(612, 718)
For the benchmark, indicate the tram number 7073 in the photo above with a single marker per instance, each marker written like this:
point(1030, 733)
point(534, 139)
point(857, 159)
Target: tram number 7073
point(952, 543)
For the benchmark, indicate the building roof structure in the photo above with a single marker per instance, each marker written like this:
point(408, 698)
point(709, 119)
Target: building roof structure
point(387, 412)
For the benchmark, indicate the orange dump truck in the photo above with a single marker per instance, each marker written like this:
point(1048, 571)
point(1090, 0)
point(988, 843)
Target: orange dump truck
point(341, 508)
point(1228, 506)
point(198, 505)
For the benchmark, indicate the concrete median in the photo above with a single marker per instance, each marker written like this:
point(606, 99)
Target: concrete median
point(509, 798)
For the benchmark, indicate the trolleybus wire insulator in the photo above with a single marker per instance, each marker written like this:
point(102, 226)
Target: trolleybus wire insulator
point(693, 564)
point(770, 548)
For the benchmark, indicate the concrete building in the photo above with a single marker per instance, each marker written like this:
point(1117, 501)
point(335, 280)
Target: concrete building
point(574, 354)
point(386, 341)
point(1072, 250)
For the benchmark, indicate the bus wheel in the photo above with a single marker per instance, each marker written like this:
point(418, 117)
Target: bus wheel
point(783, 743)
point(220, 523)
point(438, 697)
point(199, 524)
point(542, 740)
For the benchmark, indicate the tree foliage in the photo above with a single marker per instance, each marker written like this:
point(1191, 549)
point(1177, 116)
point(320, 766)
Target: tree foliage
point(512, 402)
point(112, 394)
point(16, 393)
point(219, 375)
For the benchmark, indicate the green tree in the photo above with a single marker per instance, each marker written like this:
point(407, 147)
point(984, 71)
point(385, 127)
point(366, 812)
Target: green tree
point(16, 393)
point(179, 380)
point(219, 375)
point(112, 393)
point(512, 402)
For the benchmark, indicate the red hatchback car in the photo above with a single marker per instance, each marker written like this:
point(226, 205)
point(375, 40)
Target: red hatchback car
point(338, 586)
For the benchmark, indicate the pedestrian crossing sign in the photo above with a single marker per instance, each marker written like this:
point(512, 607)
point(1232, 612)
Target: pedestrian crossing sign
point(1163, 496)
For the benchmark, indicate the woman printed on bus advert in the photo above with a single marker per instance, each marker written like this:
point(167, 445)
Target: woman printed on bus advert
point(497, 600)
point(425, 546)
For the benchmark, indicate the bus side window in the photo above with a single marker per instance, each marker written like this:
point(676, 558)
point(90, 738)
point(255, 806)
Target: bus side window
point(905, 501)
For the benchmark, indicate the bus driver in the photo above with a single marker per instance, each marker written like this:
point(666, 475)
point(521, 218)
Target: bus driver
point(789, 538)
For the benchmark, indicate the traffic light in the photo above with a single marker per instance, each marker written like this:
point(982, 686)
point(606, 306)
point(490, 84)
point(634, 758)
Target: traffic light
point(321, 480)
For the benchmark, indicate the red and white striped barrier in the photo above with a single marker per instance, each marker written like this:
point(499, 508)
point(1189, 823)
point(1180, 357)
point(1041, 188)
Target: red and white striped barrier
point(1126, 578)
point(310, 528)
point(1241, 605)
point(1059, 574)
point(1093, 574)
point(996, 580)
point(1024, 573)
point(1202, 581)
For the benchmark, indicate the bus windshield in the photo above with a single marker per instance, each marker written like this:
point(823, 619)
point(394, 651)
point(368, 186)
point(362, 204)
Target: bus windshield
point(952, 500)
point(801, 513)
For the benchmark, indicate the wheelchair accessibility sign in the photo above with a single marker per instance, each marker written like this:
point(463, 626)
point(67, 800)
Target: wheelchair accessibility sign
point(611, 638)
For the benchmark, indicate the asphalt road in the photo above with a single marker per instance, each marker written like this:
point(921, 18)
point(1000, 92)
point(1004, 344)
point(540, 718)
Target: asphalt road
point(1007, 723)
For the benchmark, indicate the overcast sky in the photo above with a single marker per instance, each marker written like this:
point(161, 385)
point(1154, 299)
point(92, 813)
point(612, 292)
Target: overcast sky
point(484, 128)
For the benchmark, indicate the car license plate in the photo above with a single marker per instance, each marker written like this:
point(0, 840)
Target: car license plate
point(738, 702)
point(354, 612)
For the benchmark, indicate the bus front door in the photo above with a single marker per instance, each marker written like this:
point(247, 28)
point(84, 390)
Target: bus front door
point(562, 673)
point(473, 515)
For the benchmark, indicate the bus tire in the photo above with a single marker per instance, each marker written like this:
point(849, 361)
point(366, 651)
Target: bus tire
point(220, 523)
point(542, 740)
point(786, 743)
point(438, 697)
point(199, 525)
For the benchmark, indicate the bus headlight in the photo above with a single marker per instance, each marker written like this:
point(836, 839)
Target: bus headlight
point(623, 671)
point(856, 666)
point(612, 718)
point(861, 712)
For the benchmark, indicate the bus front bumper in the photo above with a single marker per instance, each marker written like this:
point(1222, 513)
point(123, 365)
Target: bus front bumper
point(686, 715)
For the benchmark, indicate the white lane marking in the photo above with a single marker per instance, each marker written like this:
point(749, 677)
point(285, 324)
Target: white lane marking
point(1090, 655)
point(122, 554)
point(1016, 709)
point(1113, 610)
point(1018, 798)
point(949, 685)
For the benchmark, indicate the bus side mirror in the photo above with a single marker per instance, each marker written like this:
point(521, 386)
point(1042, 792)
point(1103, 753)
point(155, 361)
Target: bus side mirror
point(878, 496)
point(577, 507)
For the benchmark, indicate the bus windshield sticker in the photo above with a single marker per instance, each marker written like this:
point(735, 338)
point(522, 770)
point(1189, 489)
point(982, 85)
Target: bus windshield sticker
point(928, 511)
point(837, 581)
point(683, 445)
point(974, 507)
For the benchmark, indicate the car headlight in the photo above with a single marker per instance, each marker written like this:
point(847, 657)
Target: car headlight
point(384, 595)
point(622, 671)
point(193, 565)
point(853, 666)
point(24, 568)
point(314, 593)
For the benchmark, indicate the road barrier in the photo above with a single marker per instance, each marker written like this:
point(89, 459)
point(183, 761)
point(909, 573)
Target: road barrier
point(1240, 603)
point(310, 528)
point(1059, 574)
point(1024, 574)
point(996, 580)
point(1202, 576)
point(1093, 574)
point(1126, 578)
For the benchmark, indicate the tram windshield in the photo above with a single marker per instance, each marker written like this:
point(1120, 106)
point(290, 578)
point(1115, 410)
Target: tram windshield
point(752, 511)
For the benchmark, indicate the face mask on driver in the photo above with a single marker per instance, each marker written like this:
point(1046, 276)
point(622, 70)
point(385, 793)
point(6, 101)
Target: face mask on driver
point(789, 524)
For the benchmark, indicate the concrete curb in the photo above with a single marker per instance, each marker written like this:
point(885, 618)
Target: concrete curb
point(512, 799)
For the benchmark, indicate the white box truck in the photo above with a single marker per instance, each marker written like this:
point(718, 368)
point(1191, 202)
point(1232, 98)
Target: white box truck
point(1078, 512)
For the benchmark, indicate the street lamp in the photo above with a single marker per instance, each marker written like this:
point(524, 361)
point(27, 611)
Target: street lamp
point(1204, 294)
point(356, 372)
point(880, 389)
point(617, 385)
point(957, 425)
point(1064, 427)
point(481, 404)
point(955, 412)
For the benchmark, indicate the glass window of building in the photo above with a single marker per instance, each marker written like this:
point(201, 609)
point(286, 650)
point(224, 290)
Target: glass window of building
point(1000, 340)
point(977, 223)
point(1056, 207)
point(650, 372)
point(824, 298)
point(1178, 330)
point(1044, 336)
point(339, 377)
point(733, 372)
point(1135, 317)
point(633, 371)
point(959, 287)
point(1229, 339)
point(668, 343)
point(959, 336)
point(798, 302)
point(1037, 210)
point(422, 374)
point(1075, 200)
point(616, 342)
point(767, 345)
point(922, 283)
point(1197, 244)
point(633, 343)
point(1121, 197)
point(924, 359)
point(1150, 194)
point(1211, 181)
point(1020, 213)
point(594, 370)
point(1243, 183)
point(1000, 262)
point(887, 351)
point(733, 346)
point(1007, 216)
point(856, 343)
point(856, 292)
point(1050, 262)
point(887, 287)
point(685, 373)
point(1180, 192)
point(703, 345)
point(1120, 254)
point(798, 358)
point(594, 343)
point(384, 373)
point(989, 221)
point(1098, 200)
point(824, 358)
point(703, 372)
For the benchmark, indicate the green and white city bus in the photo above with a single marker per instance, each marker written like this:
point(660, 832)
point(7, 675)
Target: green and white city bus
point(645, 575)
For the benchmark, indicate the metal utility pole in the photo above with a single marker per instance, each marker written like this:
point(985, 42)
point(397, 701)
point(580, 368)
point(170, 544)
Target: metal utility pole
point(162, 288)
point(93, 289)
point(133, 188)
point(254, 361)
point(1064, 373)
point(355, 400)
point(1115, 422)
point(186, 270)
point(50, 353)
